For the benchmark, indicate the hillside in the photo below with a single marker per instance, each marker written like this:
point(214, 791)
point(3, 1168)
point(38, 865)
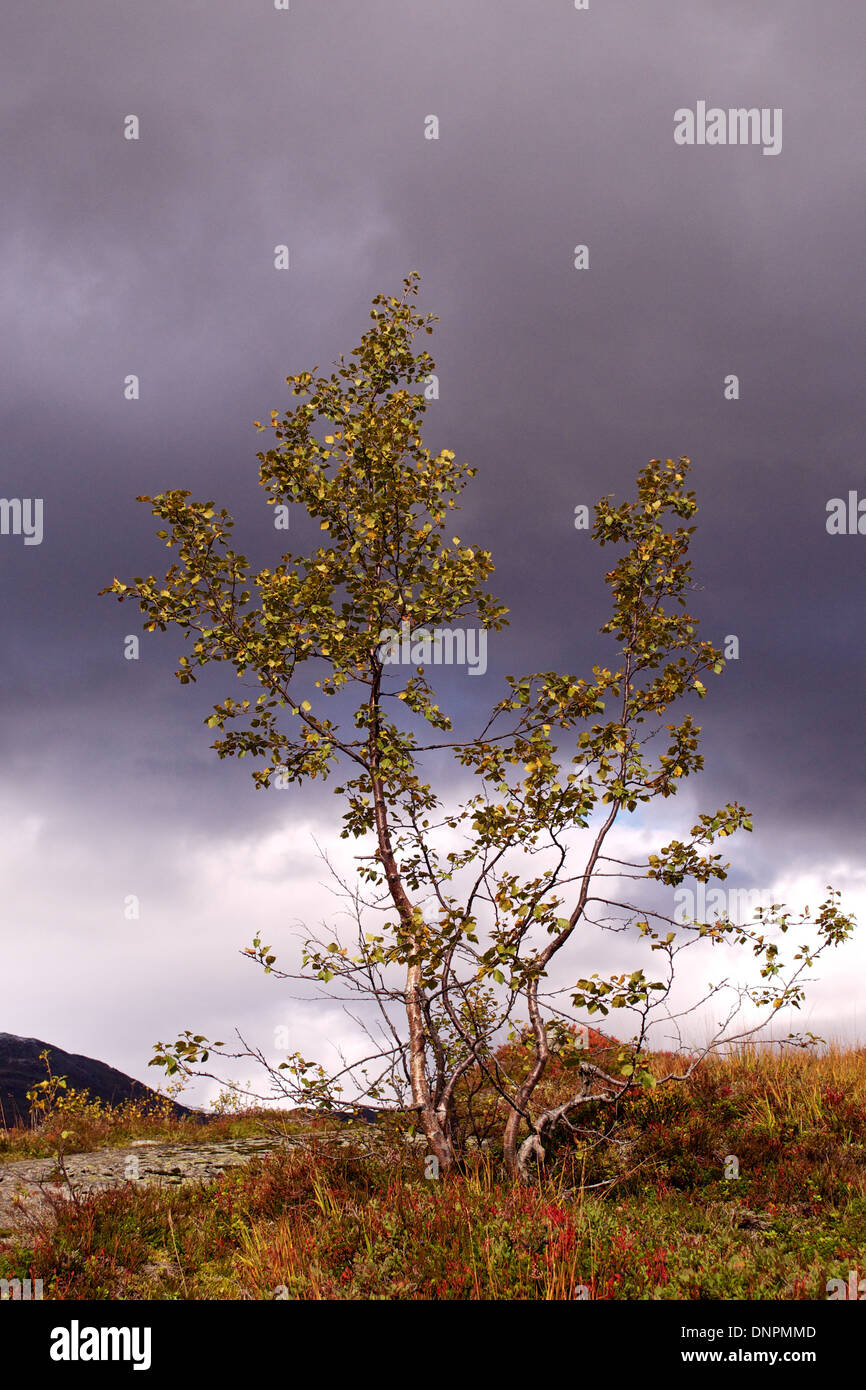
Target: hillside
point(21, 1068)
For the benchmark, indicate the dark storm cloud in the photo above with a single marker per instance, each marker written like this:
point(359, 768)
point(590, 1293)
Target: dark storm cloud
point(155, 257)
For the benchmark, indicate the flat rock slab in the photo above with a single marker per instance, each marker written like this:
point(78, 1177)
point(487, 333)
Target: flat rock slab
point(145, 1160)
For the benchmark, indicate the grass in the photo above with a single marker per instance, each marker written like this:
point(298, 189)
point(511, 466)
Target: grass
point(78, 1123)
point(650, 1216)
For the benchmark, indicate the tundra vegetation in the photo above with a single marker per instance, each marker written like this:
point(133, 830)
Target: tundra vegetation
point(656, 1216)
point(468, 917)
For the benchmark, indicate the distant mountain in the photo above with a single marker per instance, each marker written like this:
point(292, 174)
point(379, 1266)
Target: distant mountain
point(21, 1068)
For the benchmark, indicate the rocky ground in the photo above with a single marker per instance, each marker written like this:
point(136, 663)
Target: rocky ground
point(24, 1183)
point(27, 1184)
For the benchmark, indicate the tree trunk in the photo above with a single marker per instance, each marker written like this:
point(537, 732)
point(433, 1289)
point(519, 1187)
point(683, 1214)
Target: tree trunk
point(542, 1053)
point(437, 1138)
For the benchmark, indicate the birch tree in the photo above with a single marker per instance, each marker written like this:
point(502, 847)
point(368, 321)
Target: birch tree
point(462, 908)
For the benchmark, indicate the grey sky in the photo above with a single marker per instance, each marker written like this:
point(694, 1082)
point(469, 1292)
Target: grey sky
point(155, 257)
